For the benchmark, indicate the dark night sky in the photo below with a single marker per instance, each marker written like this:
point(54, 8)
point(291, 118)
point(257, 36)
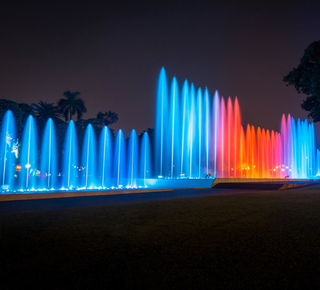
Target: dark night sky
point(113, 54)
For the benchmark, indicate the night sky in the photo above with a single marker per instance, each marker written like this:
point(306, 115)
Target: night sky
point(113, 54)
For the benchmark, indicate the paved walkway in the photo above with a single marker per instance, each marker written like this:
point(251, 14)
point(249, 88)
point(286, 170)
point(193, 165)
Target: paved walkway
point(21, 206)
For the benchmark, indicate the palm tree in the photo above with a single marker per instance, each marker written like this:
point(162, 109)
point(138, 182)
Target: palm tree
point(72, 105)
point(108, 118)
point(43, 111)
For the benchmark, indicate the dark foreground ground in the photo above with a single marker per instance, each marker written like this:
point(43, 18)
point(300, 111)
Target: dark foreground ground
point(256, 239)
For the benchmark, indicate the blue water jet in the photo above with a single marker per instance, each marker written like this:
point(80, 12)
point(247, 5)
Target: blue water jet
point(161, 140)
point(207, 113)
point(184, 167)
point(105, 158)
point(174, 128)
point(216, 114)
point(120, 166)
point(88, 161)
point(70, 159)
point(145, 158)
point(133, 160)
point(8, 151)
point(191, 134)
point(49, 160)
point(29, 156)
point(199, 132)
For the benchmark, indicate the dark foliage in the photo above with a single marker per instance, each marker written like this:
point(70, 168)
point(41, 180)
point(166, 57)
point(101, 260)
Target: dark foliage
point(108, 117)
point(43, 111)
point(306, 79)
point(72, 105)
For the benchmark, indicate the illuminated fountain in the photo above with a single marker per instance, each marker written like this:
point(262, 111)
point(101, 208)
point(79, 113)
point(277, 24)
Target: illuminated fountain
point(7, 144)
point(105, 158)
point(133, 159)
point(196, 137)
point(89, 163)
point(145, 159)
point(48, 167)
point(114, 165)
point(70, 158)
point(120, 168)
point(214, 142)
point(29, 158)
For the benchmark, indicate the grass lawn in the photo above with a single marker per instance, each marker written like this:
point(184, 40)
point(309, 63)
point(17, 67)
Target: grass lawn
point(265, 239)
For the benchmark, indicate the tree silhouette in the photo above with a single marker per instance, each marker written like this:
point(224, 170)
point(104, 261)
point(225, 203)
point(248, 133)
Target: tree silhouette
point(72, 105)
point(108, 117)
point(43, 111)
point(306, 79)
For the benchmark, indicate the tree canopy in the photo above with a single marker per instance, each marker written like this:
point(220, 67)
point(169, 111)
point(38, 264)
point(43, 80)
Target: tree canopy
point(43, 111)
point(306, 79)
point(66, 108)
point(108, 117)
point(71, 105)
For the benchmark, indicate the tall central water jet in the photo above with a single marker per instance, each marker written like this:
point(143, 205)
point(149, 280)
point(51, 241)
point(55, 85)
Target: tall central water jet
point(175, 127)
point(199, 131)
point(161, 115)
point(207, 127)
point(184, 130)
point(215, 131)
point(191, 133)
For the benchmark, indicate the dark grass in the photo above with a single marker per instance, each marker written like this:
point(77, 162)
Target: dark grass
point(263, 240)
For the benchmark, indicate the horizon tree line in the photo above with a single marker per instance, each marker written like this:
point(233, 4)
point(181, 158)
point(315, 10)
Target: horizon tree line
point(68, 107)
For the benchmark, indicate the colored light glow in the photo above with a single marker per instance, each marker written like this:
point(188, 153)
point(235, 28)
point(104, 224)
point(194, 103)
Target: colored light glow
point(231, 147)
point(196, 136)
